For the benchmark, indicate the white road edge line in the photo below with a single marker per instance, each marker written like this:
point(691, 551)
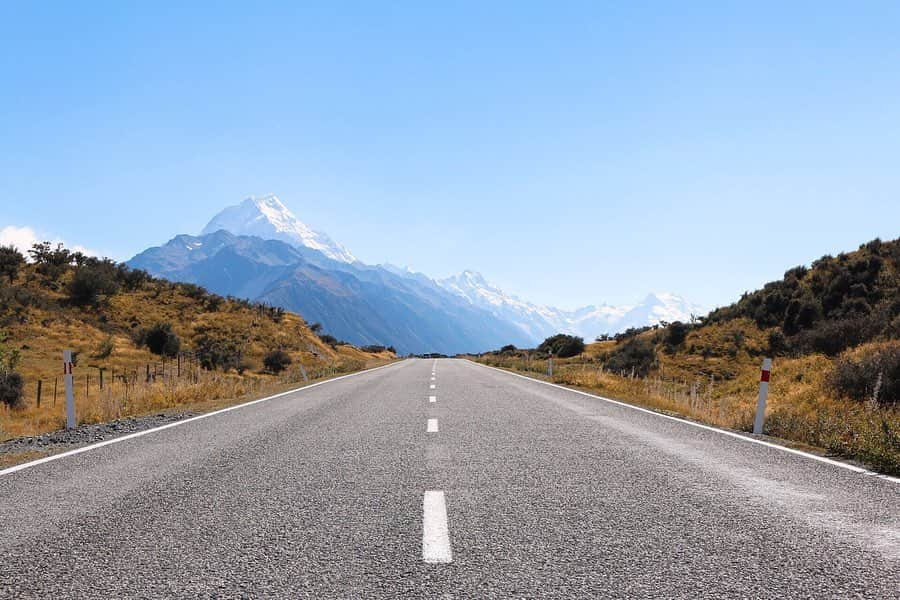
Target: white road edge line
point(435, 531)
point(738, 436)
point(432, 398)
point(68, 453)
point(432, 426)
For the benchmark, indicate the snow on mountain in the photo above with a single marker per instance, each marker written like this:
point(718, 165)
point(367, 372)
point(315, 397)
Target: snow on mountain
point(539, 322)
point(267, 217)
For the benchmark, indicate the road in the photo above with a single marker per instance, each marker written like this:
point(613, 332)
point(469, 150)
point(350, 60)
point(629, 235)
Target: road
point(467, 483)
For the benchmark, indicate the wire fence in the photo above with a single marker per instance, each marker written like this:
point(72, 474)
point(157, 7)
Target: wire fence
point(108, 393)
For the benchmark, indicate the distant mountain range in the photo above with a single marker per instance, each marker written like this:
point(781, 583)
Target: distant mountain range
point(260, 250)
point(538, 322)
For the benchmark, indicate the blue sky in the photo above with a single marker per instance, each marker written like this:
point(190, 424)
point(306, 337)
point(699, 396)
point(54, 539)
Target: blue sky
point(572, 152)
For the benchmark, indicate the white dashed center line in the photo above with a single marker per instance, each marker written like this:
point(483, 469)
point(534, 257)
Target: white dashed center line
point(432, 386)
point(432, 426)
point(435, 531)
point(432, 398)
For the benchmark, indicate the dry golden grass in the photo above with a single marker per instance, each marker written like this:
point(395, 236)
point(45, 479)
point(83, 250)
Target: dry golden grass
point(47, 326)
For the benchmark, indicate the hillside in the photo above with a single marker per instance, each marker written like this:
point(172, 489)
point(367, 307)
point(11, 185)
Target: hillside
point(157, 344)
point(833, 329)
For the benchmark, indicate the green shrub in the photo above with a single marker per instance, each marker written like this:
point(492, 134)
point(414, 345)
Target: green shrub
point(11, 260)
point(676, 334)
point(132, 279)
point(105, 348)
point(277, 361)
point(215, 352)
point(11, 382)
point(562, 345)
point(833, 337)
point(636, 353)
point(93, 282)
point(193, 291)
point(161, 340)
point(778, 344)
point(50, 262)
point(873, 374)
point(11, 385)
point(329, 340)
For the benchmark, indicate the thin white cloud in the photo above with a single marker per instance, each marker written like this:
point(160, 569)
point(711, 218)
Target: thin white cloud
point(23, 238)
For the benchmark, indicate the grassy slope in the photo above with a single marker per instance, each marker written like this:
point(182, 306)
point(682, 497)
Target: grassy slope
point(713, 376)
point(49, 324)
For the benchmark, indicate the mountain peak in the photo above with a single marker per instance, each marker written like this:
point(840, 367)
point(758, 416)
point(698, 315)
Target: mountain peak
point(473, 276)
point(269, 218)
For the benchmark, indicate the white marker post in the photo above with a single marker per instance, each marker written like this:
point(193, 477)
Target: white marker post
point(763, 393)
point(68, 378)
point(550, 364)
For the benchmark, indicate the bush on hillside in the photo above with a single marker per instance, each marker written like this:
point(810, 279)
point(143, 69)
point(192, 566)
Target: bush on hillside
point(105, 348)
point(636, 353)
point(11, 386)
point(161, 340)
point(562, 345)
point(93, 282)
point(869, 374)
point(193, 291)
point(49, 261)
point(676, 334)
point(778, 344)
point(11, 260)
point(330, 340)
point(277, 361)
point(214, 352)
point(833, 337)
point(857, 285)
point(132, 279)
point(214, 302)
point(11, 382)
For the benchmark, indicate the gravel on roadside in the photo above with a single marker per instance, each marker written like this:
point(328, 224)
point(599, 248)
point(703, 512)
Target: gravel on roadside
point(61, 440)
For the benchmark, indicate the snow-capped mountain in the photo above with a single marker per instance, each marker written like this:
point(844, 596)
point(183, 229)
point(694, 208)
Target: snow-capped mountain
point(267, 217)
point(539, 322)
point(259, 249)
point(535, 321)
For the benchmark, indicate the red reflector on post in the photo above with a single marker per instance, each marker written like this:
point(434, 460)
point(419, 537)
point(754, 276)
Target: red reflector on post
point(764, 377)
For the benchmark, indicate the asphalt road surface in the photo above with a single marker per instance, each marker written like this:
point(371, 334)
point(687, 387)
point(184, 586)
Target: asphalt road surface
point(467, 483)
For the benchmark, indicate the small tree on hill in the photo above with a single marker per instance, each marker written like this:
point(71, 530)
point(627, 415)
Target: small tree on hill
point(94, 282)
point(676, 333)
point(11, 383)
point(11, 260)
point(51, 262)
point(277, 361)
point(562, 345)
point(161, 340)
